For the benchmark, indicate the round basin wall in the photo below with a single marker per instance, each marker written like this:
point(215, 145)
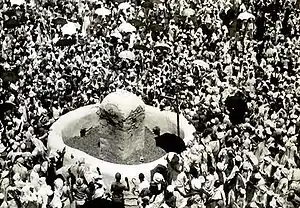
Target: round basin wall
point(69, 126)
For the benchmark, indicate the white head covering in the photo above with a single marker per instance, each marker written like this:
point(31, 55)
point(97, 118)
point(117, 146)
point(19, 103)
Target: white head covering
point(158, 178)
point(59, 183)
point(285, 172)
point(238, 158)
point(220, 166)
point(170, 188)
point(198, 183)
point(253, 205)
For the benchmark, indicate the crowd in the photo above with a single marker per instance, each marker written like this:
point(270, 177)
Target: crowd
point(213, 55)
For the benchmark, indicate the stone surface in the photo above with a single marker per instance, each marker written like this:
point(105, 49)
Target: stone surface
point(122, 115)
point(107, 150)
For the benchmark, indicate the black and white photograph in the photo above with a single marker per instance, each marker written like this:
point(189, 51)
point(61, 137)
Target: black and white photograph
point(149, 103)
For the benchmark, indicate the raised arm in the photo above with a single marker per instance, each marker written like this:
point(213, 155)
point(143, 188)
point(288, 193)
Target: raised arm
point(127, 188)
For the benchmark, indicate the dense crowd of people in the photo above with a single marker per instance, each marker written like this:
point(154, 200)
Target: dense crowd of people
point(233, 64)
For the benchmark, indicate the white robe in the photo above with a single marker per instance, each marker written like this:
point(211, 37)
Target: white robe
point(86, 23)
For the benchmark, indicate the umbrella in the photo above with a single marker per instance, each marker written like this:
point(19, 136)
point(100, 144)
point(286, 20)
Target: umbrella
point(11, 23)
point(126, 27)
point(148, 4)
point(69, 28)
point(127, 55)
point(237, 108)
point(156, 1)
point(156, 27)
point(103, 11)
point(124, 6)
point(116, 35)
point(170, 143)
point(141, 47)
point(201, 63)
point(188, 12)
point(7, 106)
point(8, 77)
point(17, 2)
point(137, 23)
point(10, 13)
point(245, 16)
point(162, 46)
point(100, 202)
point(65, 42)
point(59, 21)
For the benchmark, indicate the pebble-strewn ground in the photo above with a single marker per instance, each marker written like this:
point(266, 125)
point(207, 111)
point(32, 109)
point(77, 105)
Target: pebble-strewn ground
point(108, 151)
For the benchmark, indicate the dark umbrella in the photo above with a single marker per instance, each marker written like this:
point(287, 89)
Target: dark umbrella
point(4, 107)
point(137, 23)
point(148, 4)
point(170, 143)
point(11, 23)
point(65, 42)
point(9, 76)
point(156, 27)
point(156, 1)
point(10, 13)
point(162, 46)
point(237, 108)
point(59, 21)
point(141, 47)
point(99, 202)
point(7, 106)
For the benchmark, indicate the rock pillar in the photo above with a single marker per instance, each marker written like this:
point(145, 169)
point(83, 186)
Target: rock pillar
point(122, 114)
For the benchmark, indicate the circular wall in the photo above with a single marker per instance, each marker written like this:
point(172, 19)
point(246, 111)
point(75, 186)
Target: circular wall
point(70, 124)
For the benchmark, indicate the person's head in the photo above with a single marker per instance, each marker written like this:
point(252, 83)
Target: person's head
point(291, 195)
point(169, 191)
point(145, 201)
point(118, 177)
point(211, 170)
point(156, 131)
point(194, 172)
point(217, 184)
point(1, 198)
point(242, 192)
point(79, 182)
point(141, 177)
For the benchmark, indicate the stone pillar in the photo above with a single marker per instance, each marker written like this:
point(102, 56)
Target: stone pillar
point(122, 116)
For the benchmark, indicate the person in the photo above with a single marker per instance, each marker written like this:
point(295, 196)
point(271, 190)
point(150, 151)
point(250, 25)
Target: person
point(144, 184)
point(79, 191)
point(3, 203)
point(170, 198)
point(117, 189)
point(157, 187)
point(218, 199)
point(142, 188)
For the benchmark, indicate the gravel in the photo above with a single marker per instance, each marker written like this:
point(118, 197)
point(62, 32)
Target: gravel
point(108, 152)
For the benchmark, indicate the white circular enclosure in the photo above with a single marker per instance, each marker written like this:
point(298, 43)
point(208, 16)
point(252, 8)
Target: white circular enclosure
point(69, 126)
